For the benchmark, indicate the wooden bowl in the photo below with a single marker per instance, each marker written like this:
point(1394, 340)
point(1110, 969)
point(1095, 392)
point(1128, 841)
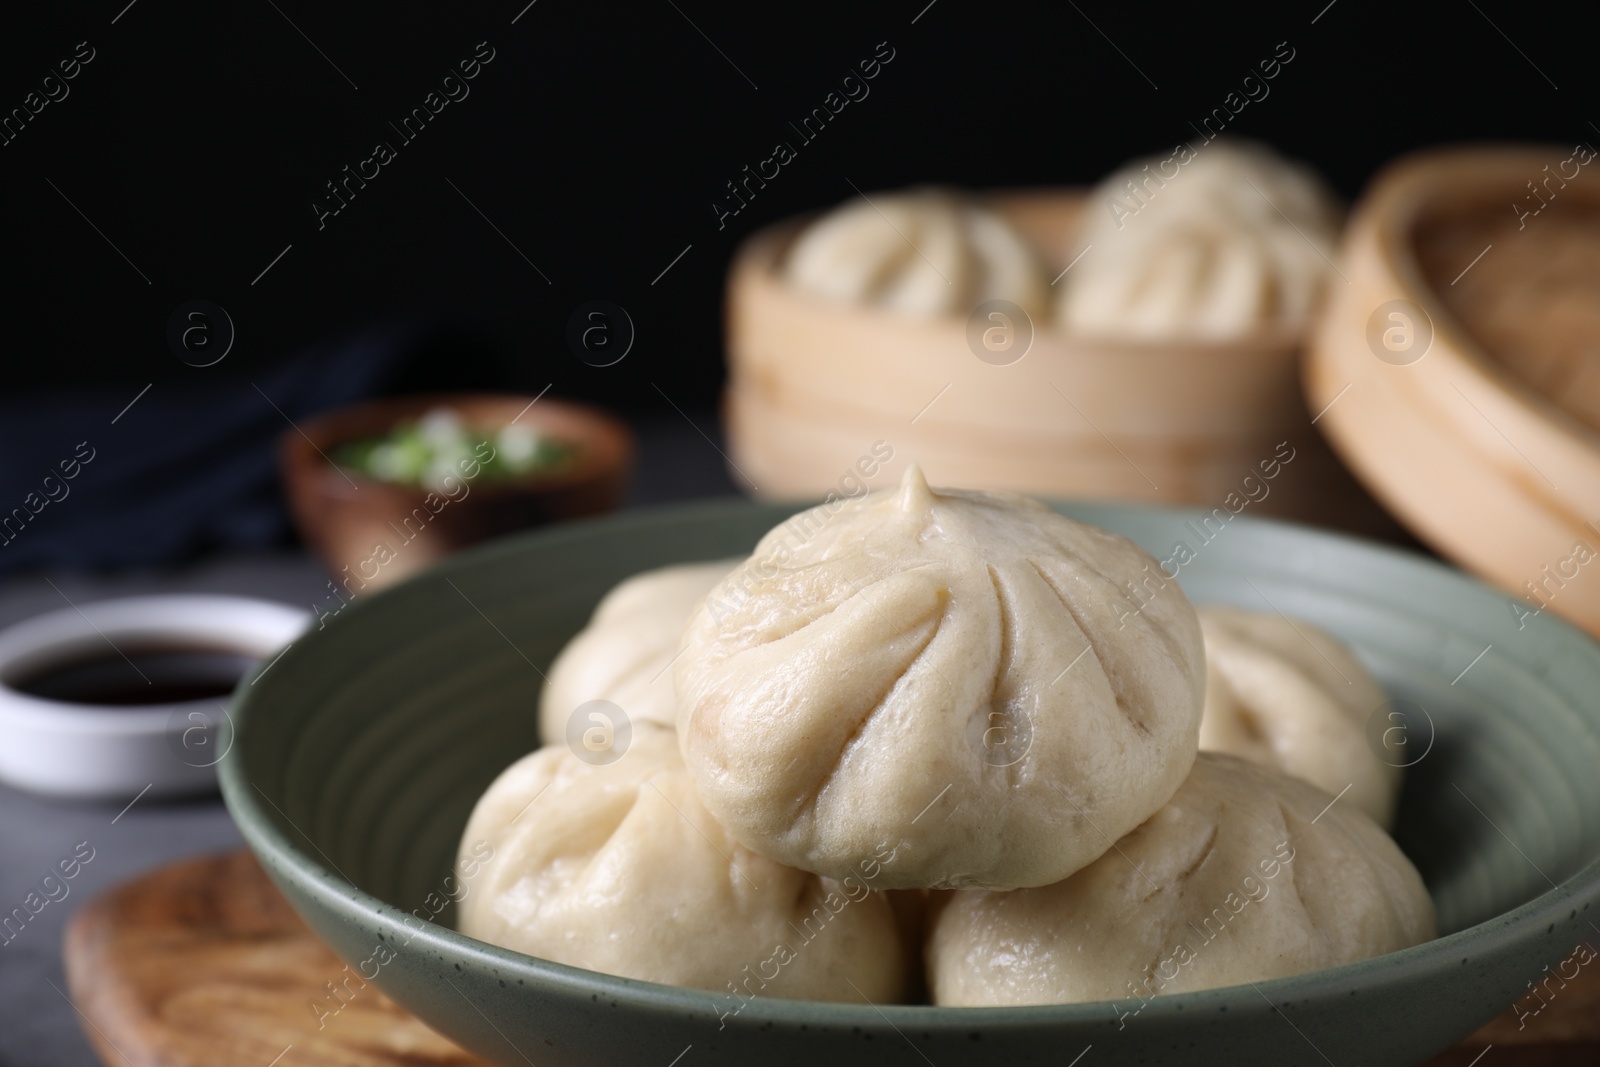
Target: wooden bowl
point(815, 384)
point(371, 534)
point(1467, 441)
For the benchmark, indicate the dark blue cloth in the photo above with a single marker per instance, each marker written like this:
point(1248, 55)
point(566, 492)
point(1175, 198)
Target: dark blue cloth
point(190, 467)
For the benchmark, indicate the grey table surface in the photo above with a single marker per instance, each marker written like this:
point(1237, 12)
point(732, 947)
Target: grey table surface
point(39, 1027)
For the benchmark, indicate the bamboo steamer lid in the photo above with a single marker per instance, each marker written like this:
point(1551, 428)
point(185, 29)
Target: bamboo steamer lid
point(1475, 415)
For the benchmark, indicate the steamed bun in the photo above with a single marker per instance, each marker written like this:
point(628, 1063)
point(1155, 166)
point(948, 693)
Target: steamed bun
point(622, 654)
point(1236, 880)
point(957, 677)
point(1231, 241)
point(617, 868)
point(925, 252)
point(1286, 695)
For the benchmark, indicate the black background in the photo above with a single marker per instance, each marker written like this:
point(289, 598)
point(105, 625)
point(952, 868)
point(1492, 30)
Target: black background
point(601, 133)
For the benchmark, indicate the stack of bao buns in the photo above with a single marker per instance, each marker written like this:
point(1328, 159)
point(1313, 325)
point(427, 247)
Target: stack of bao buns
point(1136, 340)
point(930, 748)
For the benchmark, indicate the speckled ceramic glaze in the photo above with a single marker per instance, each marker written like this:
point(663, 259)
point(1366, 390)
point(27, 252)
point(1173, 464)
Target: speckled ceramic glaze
point(361, 751)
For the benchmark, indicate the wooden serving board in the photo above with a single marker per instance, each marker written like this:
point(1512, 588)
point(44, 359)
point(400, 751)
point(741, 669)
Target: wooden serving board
point(203, 962)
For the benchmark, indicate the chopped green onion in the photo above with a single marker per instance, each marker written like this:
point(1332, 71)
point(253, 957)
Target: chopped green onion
point(439, 447)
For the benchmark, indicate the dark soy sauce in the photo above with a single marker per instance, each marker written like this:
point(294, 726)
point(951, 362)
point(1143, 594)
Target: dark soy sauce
point(138, 676)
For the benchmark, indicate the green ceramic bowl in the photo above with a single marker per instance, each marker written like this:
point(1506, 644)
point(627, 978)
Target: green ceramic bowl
point(360, 752)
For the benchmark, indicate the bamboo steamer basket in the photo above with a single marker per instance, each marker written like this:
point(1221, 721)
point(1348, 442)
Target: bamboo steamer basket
point(1465, 445)
point(815, 383)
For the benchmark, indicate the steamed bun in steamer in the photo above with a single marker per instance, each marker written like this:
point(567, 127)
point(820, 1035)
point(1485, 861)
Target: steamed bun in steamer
point(1236, 241)
point(925, 252)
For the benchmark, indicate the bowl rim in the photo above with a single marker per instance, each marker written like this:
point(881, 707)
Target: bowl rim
point(286, 861)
